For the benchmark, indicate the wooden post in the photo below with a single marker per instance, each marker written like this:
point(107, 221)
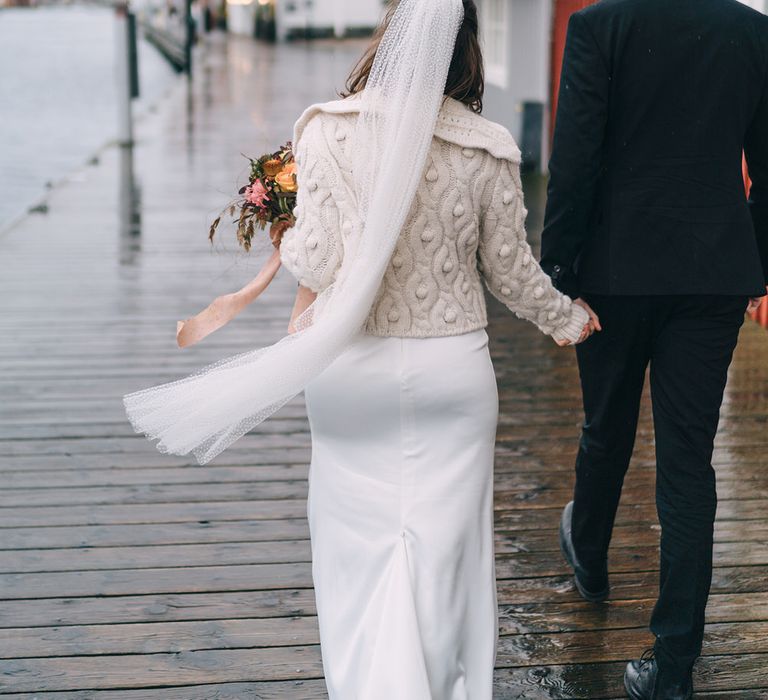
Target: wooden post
point(133, 56)
point(189, 37)
point(123, 76)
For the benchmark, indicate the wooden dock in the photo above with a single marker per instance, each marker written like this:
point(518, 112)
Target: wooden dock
point(129, 575)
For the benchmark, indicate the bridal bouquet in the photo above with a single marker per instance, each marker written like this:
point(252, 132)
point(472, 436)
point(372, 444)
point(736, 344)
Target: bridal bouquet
point(268, 199)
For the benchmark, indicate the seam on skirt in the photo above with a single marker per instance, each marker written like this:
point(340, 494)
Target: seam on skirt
point(401, 365)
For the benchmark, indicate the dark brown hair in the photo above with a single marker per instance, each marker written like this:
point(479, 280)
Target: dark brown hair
point(466, 76)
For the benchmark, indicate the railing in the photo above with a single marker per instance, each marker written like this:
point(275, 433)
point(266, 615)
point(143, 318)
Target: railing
point(169, 44)
point(171, 32)
point(172, 35)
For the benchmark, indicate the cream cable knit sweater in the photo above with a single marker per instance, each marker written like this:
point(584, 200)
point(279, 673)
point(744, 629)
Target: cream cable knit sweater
point(467, 222)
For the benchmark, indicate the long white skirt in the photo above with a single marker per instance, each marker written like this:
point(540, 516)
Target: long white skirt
point(401, 519)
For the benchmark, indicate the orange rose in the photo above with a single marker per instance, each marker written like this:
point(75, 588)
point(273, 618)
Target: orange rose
point(286, 180)
point(273, 167)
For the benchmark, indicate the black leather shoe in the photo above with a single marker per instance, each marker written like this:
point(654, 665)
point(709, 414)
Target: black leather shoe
point(592, 585)
point(641, 679)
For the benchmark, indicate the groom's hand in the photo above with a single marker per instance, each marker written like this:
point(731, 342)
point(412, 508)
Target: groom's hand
point(755, 303)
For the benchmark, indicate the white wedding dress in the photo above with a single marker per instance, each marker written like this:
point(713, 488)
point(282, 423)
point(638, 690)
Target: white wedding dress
point(401, 518)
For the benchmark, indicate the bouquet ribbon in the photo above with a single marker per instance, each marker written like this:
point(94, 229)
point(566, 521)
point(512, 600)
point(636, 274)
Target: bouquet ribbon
point(224, 308)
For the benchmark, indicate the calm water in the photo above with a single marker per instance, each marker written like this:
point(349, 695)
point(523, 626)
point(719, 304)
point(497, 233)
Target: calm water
point(57, 95)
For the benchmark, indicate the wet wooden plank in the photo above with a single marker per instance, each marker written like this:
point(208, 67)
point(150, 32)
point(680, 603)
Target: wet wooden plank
point(637, 585)
point(624, 535)
point(146, 534)
point(162, 607)
point(160, 670)
point(737, 676)
point(619, 644)
point(642, 514)
point(160, 580)
point(61, 479)
point(282, 438)
point(157, 513)
point(66, 461)
point(84, 559)
point(628, 559)
point(156, 638)
point(287, 690)
point(156, 493)
point(16, 438)
point(580, 616)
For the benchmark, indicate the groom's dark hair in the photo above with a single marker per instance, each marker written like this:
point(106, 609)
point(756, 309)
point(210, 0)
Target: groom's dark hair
point(466, 77)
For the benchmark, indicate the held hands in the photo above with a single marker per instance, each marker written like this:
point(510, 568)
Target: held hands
point(591, 327)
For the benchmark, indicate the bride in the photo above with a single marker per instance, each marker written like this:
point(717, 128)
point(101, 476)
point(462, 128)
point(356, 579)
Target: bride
point(408, 200)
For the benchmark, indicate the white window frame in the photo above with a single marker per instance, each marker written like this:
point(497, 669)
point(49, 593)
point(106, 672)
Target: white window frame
point(494, 25)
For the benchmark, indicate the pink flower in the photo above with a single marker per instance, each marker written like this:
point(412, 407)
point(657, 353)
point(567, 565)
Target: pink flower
point(256, 194)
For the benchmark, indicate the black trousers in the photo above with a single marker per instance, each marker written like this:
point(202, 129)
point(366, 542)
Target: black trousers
point(688, 342)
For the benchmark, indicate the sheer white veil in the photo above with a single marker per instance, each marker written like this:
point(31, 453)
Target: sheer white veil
point(208, 411)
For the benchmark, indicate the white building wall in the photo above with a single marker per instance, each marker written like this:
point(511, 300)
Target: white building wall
point(321, 15)
point(355, 13)
point(241, 16)
point(525, 76)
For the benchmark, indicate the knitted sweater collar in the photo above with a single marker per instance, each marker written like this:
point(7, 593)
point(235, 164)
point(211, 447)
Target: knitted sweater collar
point(456, 124)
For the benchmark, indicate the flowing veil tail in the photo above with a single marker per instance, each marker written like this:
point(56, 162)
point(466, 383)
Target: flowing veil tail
point(208, 411)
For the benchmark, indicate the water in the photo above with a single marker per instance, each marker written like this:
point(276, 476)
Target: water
point(57, 95)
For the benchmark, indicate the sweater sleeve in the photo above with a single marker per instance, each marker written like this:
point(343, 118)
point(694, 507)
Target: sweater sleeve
point(509, 268)
point(313, 249)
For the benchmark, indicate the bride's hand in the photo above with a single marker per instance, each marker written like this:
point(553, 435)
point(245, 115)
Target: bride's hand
point(277, 231)
point(591, 327)
point(585, 334)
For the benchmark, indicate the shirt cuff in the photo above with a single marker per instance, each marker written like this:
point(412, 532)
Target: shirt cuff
point(571, 331)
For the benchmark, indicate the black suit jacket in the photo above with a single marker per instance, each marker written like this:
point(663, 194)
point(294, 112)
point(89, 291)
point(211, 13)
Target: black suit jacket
point(658, 101)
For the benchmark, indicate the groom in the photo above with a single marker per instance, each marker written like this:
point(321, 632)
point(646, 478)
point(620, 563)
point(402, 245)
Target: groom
point(647, 223)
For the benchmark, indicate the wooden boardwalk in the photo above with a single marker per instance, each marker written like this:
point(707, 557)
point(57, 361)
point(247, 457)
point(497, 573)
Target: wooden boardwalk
point(129, 575)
